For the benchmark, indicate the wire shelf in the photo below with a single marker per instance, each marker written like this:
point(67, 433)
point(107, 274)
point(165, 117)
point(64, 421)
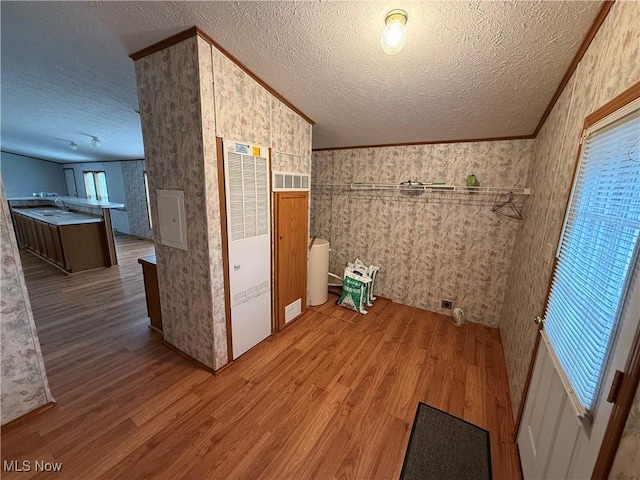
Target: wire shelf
point(427, 193)
point(427, 187)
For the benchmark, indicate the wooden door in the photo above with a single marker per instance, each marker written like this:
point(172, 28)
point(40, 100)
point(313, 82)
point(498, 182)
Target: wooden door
point(291, 238)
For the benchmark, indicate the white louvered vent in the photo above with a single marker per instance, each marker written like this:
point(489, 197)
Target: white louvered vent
point(249, 196)
point(292, 310)
point(287, 182)
point(250, 293)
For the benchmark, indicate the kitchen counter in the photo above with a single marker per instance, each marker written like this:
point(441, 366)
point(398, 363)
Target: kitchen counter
point(72, 241)
point(80, 202)
point(58, 217)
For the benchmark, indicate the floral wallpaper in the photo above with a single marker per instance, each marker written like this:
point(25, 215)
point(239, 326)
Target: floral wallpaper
point(610, 66)
point(190, 93)
point(136, 198)
point(216, 271)
point(24, 385)
point(428, 249)
point(170, 109)
point(291, 136)
point(283, 162)
point(242, 106)
point(287, 129)
point(291, 140)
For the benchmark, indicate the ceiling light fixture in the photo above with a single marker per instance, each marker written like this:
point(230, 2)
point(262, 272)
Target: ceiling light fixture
point(394, 35)
point(95, 141)
point(73, 146)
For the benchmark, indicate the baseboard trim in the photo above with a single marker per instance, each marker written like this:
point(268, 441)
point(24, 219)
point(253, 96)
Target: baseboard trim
point(189, 357)
point(27, 416)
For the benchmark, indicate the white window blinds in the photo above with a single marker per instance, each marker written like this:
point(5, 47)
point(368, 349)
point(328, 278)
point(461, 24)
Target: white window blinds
point(95, 184)
point(90, 186)
point(596, 253)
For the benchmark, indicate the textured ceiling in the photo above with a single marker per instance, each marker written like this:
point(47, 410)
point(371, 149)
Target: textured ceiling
point(468, 70)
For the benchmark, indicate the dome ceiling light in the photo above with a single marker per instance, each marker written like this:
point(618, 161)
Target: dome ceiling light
point(394, 35)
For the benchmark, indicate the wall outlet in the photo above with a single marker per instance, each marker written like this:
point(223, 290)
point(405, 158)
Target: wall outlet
point(447, 304)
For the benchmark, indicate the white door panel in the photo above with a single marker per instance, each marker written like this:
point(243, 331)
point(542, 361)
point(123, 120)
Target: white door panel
point(553, 442)
point(248, 325)
point(536, 438)
point(570, 432)
point(250, 267)
point(248, 226)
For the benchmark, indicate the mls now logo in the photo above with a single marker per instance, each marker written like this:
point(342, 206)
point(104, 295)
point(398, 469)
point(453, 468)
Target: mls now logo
point(27, 466)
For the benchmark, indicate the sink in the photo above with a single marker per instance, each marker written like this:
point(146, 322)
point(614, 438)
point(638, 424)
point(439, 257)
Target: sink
point(48, 212)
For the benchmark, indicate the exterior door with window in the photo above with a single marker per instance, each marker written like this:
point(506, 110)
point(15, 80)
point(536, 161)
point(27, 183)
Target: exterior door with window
point(593, 308)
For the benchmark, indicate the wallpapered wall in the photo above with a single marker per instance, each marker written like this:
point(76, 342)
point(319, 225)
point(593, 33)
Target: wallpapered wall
point(170, 110)
point(610, 66)
point(427, 251)
point(24, 383)
point(136, 198)
point(247, 112)
point(216, 98)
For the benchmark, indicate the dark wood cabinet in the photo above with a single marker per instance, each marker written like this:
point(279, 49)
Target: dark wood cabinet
point(17, 222)
point(49, 250)
point(150, 274)
point(33, 236)
point(42, 247)
point(73, 248)
point(57, 246)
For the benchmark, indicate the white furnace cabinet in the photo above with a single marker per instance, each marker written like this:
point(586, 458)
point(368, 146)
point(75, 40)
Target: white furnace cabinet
point(246, 169)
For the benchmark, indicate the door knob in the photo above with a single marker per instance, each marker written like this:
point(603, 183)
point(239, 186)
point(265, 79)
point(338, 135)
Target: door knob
point(537, 319)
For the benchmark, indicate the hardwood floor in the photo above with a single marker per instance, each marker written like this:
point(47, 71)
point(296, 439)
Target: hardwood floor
point(331, 396)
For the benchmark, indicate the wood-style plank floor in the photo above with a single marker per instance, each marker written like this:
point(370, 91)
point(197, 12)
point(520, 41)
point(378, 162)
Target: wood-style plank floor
point(332, 396)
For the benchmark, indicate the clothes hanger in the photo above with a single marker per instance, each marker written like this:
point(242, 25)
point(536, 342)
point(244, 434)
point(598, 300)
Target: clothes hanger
point(507, 208)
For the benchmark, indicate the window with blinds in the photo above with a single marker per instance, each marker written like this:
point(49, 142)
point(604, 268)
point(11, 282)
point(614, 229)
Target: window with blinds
point(95, 184)
point(596, 253)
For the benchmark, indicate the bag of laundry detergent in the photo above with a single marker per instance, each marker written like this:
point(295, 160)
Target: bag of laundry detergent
point(353, 289)
point(371, 272)
point(360, 271)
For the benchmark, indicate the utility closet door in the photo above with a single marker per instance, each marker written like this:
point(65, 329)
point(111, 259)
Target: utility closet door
point(292, 217)
point(246, 169)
